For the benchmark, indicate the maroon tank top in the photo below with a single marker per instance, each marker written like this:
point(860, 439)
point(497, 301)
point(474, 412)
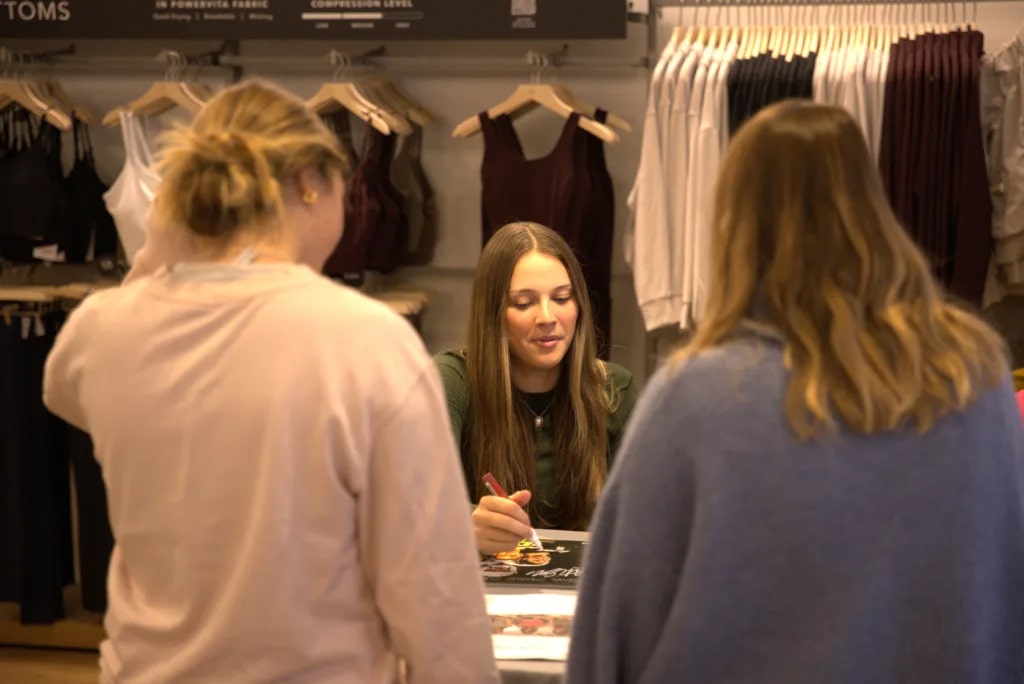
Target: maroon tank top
point(376, 228)
point(519, 189)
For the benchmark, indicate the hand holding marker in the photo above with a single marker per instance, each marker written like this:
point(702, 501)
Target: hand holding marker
point(495, 489)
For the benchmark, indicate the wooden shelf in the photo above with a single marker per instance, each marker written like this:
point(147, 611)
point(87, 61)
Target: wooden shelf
point(81, 629)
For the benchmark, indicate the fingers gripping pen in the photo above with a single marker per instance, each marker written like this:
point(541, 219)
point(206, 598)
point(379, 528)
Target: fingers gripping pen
point(495, 489)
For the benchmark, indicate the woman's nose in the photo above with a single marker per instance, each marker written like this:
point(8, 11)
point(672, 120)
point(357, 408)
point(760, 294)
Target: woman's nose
point(544, 311)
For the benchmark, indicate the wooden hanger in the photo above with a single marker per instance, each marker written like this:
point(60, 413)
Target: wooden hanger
point(162, 96)
point(384, 90)
point(678, 32)
point(57, 92)
point(775, 36)
point(336, 95)
point(29, 95)
point(589, 110)
point(527, 97)
point(751, 41)
point(715, 37)
point(26, 293)
point(766, 38)
point(24, 93)
point(702, 36)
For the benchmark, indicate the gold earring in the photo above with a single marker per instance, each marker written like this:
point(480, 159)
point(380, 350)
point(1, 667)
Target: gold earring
point(309, 197)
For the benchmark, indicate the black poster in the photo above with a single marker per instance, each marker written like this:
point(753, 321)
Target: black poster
point(314, 19)
point(559, 565)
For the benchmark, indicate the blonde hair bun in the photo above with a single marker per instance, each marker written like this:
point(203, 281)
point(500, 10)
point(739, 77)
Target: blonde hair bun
point(226, 170)
point(234, 181)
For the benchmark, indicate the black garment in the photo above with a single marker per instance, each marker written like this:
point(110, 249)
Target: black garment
point(594, 243)
point(33, 207)
point(90, 222)
point(35, 531)
point(753, 84)
point(95, 537)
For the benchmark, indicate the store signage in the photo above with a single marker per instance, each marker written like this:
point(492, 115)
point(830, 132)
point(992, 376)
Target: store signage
point(314, 19)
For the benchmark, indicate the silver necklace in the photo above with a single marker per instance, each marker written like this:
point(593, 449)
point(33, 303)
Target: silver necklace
point(538, 418)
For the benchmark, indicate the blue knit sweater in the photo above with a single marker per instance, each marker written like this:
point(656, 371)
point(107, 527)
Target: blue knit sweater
point(726, 552)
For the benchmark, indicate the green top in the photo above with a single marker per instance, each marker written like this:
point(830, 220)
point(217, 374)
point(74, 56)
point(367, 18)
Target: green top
point(452, 365)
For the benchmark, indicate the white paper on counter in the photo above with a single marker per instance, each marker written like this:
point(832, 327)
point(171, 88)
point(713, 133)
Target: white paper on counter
point(531, 626)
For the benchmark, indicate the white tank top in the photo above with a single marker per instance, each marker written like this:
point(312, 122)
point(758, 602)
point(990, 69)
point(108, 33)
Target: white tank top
point(128, 200)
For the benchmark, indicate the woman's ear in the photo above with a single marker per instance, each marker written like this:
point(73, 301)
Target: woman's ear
point(309, 183)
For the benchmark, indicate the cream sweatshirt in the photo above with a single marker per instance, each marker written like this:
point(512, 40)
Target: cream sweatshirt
point(284, 491)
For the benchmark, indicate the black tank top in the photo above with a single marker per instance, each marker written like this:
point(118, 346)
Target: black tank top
point(89, 220)
point(33, 208)
point(596, 234)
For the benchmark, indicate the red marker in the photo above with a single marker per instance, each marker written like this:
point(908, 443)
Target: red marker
point(496, 490)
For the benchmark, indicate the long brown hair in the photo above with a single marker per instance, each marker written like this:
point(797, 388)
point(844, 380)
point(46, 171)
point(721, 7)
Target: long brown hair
point(500, 432)
point(805, 240)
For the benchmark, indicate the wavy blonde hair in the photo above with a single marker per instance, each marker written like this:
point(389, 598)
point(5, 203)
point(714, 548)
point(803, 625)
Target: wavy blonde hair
point(500, 430)
point(804, 240)
point(226, 170)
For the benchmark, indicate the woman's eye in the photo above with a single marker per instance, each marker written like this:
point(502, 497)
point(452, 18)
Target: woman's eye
point(522, 305)
point(565, 299)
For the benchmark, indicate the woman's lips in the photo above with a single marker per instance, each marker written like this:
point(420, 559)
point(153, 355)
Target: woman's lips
point(547, 342)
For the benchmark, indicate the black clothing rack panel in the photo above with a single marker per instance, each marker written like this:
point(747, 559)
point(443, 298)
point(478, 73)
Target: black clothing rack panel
point(315, 19)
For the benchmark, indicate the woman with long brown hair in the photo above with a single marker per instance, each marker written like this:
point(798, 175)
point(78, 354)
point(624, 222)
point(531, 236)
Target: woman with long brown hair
point(827, 485)
point(528, 398)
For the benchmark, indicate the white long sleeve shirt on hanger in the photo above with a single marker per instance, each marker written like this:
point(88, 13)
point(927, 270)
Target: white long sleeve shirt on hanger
point(853, 77)
point(694, 171)
point(648, 247)
point(674, 140)
point(667, 100)
point(283, 487)
point(677, 170)
point(819, 85)
point(710, 150)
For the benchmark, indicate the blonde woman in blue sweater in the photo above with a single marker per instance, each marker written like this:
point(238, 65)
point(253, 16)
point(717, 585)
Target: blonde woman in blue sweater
point(828, 483)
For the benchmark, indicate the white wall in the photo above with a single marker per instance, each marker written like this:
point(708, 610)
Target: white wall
point(453, 165)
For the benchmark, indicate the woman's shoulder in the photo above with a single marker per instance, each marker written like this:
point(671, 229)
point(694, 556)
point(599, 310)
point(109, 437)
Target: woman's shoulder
point(618, 376)
point(718, 386)
point(452, 365)
point(451, 358)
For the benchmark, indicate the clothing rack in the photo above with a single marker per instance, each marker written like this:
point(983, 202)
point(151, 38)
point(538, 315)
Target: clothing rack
point(411, 63)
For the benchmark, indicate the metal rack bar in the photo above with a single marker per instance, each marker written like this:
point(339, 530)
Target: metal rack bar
point(824, 3)
point(316, 64)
